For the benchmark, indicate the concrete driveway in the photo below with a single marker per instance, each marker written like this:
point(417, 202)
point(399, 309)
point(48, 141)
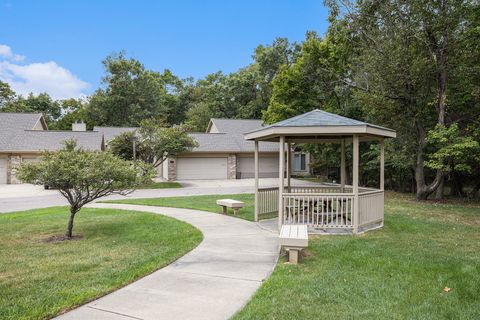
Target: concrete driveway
point(25, 196)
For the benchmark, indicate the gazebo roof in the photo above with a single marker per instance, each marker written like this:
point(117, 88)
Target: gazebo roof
point(318, 123)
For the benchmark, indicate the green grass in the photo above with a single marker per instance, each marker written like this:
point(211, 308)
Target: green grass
point(398, 272)
point(161, 185)
point(205, 203)
point(39, 280)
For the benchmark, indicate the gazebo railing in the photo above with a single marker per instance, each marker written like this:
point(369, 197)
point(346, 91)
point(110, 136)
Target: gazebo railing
point(371, 205)
point(267, 200)
point(334, 210)
point(323, 206)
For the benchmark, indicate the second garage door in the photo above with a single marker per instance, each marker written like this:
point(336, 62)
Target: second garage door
point(201, 168)
point(268, 167)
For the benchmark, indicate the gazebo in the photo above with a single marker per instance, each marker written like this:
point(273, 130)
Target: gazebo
point(326, 208)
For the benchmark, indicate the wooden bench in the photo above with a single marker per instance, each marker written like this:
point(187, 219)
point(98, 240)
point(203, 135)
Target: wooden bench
point(230, 203)
point(294, 238)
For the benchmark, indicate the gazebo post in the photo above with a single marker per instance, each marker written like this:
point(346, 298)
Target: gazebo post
point(382, 164)
point(342, 166)
point(281, 172)
point(256, 180)
point(289, 165)
point(356, 211)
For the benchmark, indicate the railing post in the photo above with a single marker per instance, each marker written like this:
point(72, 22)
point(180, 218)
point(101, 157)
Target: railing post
point(356, 209)
point(382, 165)
point(256, 181)
point(281, 172)
point(343, 172)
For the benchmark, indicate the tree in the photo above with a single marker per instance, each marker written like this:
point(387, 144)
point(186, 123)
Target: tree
point(6, 94)
point(132, 93)
point(41, 103)
point(405, 55)
point(82, 176)
point(312, 82)
point(73, 110)
point(154, 142)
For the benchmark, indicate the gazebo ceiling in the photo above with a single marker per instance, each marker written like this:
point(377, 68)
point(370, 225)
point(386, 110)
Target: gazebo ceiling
point(320, 125)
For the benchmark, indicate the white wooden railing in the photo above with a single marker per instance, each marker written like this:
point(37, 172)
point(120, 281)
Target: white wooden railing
point(267, 200)
point(333, 210)
point(323, 206)
point(370, 207)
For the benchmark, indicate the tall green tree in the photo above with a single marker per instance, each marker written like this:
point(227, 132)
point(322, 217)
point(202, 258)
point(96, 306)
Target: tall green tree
point(131, 93)
point(405, 55)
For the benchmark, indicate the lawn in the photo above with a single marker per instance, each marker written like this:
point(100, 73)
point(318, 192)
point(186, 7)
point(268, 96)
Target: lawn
point(41, 279)
point(205, 203)
point(161, 185)
point(398, 272)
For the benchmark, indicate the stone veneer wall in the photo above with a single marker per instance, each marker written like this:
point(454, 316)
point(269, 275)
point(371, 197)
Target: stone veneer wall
point(232, 166)
point(172, 168)
point(13, 161)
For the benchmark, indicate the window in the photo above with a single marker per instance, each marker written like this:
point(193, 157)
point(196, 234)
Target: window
point(299, 162)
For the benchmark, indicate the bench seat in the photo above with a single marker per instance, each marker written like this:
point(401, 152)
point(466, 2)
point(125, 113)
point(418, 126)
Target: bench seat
point(230, 203)
point(293, 238)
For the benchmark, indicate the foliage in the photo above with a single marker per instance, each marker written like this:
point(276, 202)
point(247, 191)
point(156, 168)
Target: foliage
point(41, 103)
point(153, 142)
point(454, 152)
point(132, 93)
point(82, 176)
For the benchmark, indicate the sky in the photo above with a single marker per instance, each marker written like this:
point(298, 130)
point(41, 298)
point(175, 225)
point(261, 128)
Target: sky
point(57, 46)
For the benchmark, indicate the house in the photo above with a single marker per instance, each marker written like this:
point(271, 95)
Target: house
point(223, 153)
point(24, 136)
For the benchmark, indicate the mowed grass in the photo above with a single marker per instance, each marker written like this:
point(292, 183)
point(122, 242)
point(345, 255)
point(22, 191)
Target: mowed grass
point(398, 272)
point(39, 280)
point(205, 203)
point(161, 185)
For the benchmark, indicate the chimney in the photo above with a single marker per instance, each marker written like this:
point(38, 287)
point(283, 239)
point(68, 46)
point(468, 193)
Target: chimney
point(79, 126)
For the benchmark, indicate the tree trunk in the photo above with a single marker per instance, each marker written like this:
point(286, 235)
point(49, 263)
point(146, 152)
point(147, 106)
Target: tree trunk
point(423, 190)
point(70, 223)
point(440, 189)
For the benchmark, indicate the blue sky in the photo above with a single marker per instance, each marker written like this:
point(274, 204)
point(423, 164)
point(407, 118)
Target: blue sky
point(57, 46)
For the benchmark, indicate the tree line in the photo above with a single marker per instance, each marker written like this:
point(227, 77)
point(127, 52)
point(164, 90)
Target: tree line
point(412, 66)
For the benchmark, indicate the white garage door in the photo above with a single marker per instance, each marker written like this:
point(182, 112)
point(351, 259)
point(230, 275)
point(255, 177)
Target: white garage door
point(201, 168)
point(3, 170)
point(268, 167)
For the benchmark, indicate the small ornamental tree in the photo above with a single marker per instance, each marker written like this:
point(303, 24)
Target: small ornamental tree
point(153, 143)
point(82, 176)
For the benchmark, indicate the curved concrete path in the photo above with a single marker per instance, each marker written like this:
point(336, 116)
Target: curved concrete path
point(213, 281)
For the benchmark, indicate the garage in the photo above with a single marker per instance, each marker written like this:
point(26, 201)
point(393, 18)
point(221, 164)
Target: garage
point(268, 167)
point(3, 169)
point(193, 168)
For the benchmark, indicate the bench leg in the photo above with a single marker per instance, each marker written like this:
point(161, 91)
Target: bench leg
point(293, 256)
point(235, 211)
point(224, 209)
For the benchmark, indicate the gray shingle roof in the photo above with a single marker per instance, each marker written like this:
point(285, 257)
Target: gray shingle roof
point(111, 132)
point(236, 125)
point(16, 134)
point(40, 140)
point(230, 138)
point(318, 118)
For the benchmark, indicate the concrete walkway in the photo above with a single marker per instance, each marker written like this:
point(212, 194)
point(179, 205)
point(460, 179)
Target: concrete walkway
point(213, 281)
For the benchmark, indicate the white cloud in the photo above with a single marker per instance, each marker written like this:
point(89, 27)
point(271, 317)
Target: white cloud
point(6, 52)
point(39, 77)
